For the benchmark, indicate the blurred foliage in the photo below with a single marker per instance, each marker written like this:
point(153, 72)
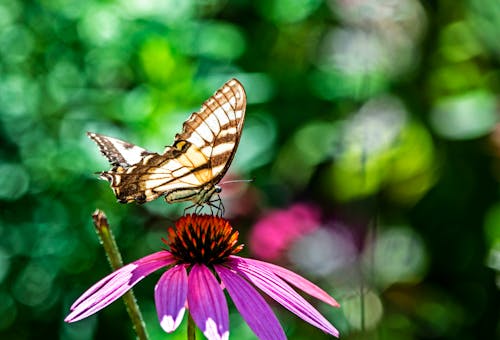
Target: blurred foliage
point(380, 114)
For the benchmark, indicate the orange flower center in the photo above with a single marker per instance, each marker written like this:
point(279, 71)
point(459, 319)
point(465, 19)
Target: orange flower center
point(203, 239)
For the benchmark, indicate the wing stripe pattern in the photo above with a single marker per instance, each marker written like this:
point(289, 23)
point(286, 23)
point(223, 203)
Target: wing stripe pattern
point(118, 152)
point(189, 169)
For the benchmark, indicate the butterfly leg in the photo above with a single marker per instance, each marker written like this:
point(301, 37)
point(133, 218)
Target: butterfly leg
point(198, 209)
point(217, 205)
point(193, 206)
point(211, 207)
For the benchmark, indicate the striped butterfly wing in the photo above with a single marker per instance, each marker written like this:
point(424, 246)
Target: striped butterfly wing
point(190, 169)
point(214, 132)
point(118, 152)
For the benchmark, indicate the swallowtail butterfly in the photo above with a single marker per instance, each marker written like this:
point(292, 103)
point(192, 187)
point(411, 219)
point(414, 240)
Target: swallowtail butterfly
point(189, 169)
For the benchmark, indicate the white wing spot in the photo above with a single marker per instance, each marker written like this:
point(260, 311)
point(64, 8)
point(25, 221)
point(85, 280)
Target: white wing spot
point(131, 154)
point(213, 123)
point(221, 116)
point(154, 183)
point(228, 131)
point(131, 169)
point(166, 168)
point(146, 159)
point(217, 169)
point(204, 131)
point(196, 139)
point(218, 150)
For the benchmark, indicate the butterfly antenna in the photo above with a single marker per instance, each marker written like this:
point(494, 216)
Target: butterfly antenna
point(238, 181)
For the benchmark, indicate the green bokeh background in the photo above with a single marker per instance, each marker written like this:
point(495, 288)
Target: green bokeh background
point(382, 114)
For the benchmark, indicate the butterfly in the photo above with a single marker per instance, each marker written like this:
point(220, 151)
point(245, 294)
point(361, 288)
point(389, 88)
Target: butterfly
point(189, 169)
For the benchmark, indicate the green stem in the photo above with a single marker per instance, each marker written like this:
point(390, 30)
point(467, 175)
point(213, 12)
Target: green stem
point(362, 303)
point(115, 260)
point(191, 331)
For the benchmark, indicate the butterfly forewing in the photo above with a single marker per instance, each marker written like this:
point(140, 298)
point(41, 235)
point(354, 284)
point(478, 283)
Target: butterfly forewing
point(189, 169)
point(216, 128)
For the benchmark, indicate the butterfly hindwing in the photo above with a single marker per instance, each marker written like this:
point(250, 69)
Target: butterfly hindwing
point(118, 152)
point(189, 169)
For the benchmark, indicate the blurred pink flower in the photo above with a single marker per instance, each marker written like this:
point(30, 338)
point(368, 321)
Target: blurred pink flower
point(273, 234)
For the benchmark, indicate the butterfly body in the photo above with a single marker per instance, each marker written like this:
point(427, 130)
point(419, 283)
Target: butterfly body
point(189, 169)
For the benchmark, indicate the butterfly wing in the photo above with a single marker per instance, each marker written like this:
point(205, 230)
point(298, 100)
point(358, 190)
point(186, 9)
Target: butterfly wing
point(216, 129)
point(197, 160)
point(118, 152)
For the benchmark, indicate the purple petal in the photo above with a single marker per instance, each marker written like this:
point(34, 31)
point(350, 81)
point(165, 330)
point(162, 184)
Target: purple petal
point(170, 297)
point(251, 305)
point(207, 303)
point(298, 281)
point(116, 284)
point(279, 290)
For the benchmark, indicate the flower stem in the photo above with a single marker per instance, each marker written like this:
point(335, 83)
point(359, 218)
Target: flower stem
point(362, 304)
point(191, 331)
point(115, 260)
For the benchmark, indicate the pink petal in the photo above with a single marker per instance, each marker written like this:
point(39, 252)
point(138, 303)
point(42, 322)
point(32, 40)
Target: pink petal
point(279, 290)
point(207, 303)
point(298, 281)
point(251, 305)
point(170, 297)
point(116, 284)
